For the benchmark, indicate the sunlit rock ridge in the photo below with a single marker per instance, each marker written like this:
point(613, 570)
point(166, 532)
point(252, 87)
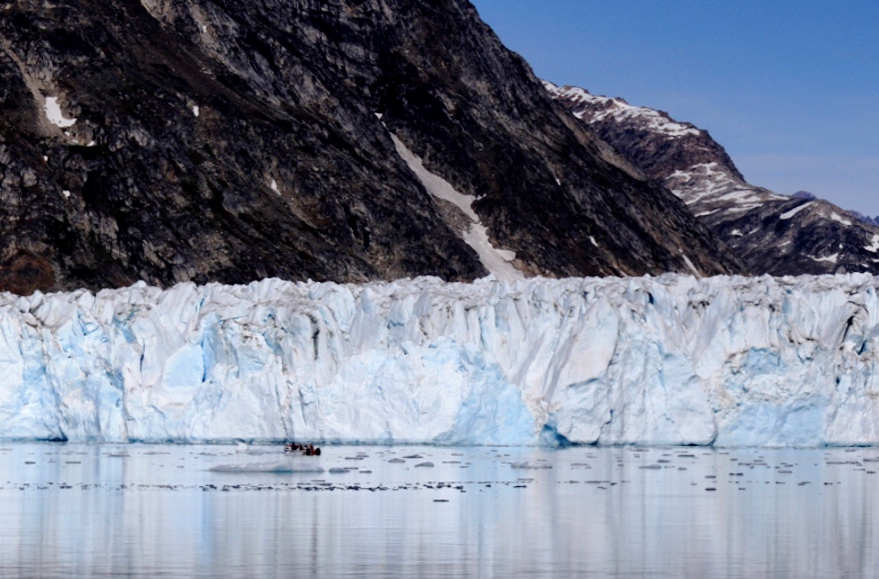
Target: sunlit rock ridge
point(728, 361)
point(771, 233)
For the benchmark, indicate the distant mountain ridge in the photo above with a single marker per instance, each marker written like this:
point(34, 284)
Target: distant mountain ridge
point(773, 234)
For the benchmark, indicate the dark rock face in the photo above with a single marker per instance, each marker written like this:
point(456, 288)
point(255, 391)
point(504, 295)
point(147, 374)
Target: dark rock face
point(866, 218)
point(772, 234)
point(230, 142)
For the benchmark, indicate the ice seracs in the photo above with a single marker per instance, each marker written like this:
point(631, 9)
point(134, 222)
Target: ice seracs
point(669, 360)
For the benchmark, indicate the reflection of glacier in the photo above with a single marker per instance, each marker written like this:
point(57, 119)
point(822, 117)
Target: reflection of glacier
point(732, 361)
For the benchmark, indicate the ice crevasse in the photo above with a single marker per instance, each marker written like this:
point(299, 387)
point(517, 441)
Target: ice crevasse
point(728, 361)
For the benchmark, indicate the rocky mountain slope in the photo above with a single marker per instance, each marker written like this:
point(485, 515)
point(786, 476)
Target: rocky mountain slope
point(771, 233)
point(210, 141)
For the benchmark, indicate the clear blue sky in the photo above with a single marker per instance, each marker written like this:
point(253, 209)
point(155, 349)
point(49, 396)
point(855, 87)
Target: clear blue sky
point(789, 88)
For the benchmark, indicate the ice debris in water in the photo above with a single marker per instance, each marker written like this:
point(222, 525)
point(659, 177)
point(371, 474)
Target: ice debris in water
point(668, 360)
point(279, 467)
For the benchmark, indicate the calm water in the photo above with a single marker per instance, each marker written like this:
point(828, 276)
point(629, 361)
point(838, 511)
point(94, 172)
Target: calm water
point(140, 511)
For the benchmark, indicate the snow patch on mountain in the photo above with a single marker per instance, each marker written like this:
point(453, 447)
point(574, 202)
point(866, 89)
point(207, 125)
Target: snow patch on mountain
point(713, 188)
point(839, 219)
point(618, 108)
point(55, 115)
point(795, 211)
point(830, 258)
point(496, 261)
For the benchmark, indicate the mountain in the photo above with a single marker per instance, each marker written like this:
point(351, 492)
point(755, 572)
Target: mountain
point(772, 234)
point(866, 218)
point(347, 140)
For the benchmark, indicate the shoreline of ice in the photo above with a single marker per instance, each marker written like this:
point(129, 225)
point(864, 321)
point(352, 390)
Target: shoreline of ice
point(726, 361)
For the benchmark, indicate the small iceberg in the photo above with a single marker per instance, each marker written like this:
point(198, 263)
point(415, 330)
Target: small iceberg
point(527, 465)
point(279, 467)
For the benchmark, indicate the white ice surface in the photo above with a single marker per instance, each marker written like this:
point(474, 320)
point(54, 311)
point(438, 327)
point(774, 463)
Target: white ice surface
point(54, 114)
point(669, 360)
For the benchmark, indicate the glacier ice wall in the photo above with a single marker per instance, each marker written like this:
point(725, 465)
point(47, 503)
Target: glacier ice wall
point(669, 360)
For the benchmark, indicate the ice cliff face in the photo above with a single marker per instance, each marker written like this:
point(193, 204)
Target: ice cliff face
point(729, 361)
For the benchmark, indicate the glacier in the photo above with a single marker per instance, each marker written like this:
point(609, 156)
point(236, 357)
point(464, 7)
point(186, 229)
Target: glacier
point(672, 360)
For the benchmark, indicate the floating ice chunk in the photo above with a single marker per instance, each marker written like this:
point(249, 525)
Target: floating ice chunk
point(279, 467)
point(273, 185)
point(54, 114)
point(196, 110)
point(525, 465)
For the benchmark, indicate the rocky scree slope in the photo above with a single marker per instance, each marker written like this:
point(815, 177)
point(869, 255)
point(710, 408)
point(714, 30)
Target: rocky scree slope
point(204, 141)
point(773, 234)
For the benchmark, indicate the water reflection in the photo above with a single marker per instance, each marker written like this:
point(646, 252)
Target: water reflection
point(86, 510)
